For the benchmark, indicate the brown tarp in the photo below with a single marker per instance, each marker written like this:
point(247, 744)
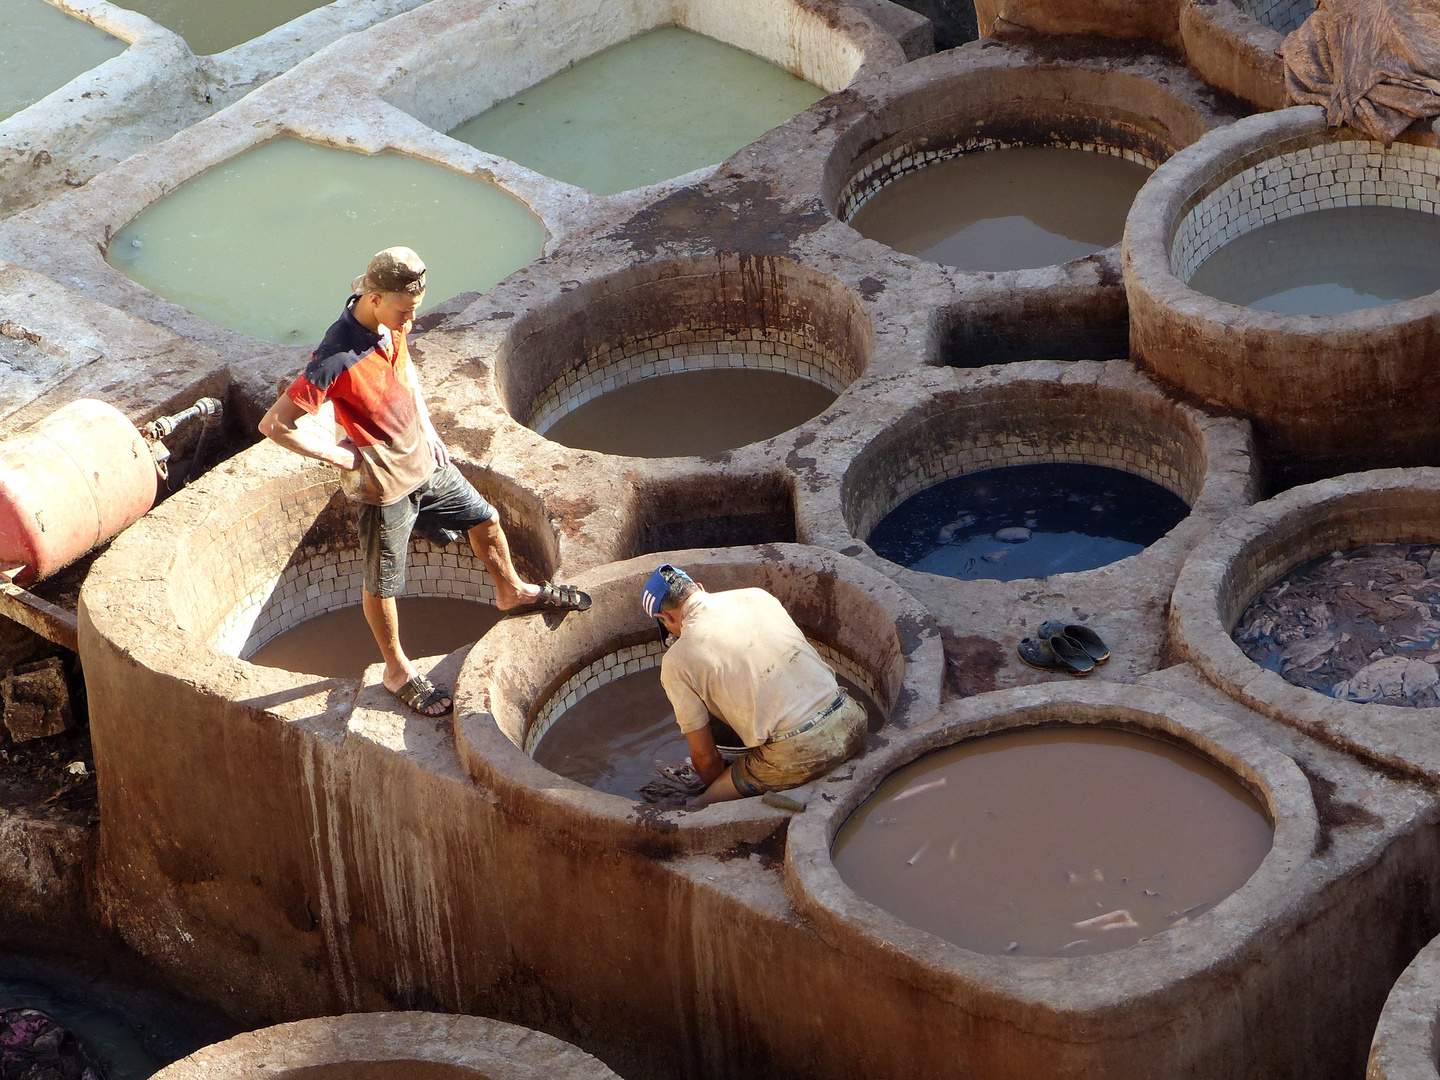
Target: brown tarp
point(1373, 64)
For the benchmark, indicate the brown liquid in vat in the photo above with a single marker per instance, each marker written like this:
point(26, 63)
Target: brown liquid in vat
point(338, 644)
point(1005, 843)
point(1006, 209)
point(691, 413)
point(612, 738)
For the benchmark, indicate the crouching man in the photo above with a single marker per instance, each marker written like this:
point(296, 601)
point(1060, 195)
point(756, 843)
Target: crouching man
point(740, 657)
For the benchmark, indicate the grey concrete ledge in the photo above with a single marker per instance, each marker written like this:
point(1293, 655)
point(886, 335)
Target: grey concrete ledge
point(1406, 1045)
point(930, 424)
point(376, 1046)
point(1234, 51)
point(1157, 20)
point(866, 625)
point(1291, 374)
point(1251, 550)
point(150, 92)
point(1110, 996)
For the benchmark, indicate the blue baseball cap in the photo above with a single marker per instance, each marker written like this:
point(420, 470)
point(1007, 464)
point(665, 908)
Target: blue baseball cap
point(657, 585)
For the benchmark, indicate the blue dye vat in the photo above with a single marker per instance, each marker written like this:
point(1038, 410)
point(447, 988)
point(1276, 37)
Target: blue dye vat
point(1052, 518)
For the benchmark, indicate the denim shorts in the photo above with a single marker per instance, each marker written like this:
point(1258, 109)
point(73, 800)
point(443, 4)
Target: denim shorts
point(775, 766)
point(442, 508)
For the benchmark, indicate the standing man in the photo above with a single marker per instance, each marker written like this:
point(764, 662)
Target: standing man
point(739, 656)
point(394, 464)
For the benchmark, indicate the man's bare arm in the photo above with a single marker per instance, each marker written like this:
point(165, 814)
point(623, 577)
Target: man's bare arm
point(280, 425)
point(704, 754)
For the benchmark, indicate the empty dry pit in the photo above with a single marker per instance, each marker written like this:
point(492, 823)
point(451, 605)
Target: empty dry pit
point(1334, 520)
point(391, 1046)
point(674, 359)
point(994, 160)
point(1025, 478)
point(526, 676)
point(1287, 272)
point(710, 510)
point(274, 575)
point(932, 863)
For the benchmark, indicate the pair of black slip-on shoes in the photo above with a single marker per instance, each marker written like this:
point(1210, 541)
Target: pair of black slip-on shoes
point(1067, 647)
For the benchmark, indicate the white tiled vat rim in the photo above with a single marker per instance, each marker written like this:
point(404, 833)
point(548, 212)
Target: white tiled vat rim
point(1282, 16)
point(795, 352)
point(890, 166)
point(993, 451)
point(1319, 174)
point(646, 655)
point(333, 579)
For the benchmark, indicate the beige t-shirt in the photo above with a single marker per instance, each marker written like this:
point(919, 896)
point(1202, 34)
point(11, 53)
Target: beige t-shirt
point(742, 658)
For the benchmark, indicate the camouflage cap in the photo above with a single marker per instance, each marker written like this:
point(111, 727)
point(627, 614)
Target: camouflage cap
point(396, 269)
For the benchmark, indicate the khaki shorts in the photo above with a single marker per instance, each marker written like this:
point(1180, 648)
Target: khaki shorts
point(789, 763)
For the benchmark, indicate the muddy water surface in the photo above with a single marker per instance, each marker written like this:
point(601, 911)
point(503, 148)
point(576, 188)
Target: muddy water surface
point(1328, 262)
point(133, 1031)
point(613, 738)
point(1027, 521)
point(338, 644)
point(691, 413)
point(1059, 841)
point(1006, 209)
point(1360, 625)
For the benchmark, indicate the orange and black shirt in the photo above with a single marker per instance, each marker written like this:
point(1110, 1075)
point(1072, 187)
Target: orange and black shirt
point(372, 389)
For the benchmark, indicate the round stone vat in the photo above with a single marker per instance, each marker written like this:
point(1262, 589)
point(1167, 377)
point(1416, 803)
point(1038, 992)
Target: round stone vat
point(391, 1046)
point(1147, 984)
point(961, 430)
point(1257, 547)
point(974, 158)
point(1327, 392)
point(676, 358)
point(274, 546)
point(1235, 44)
point(1407, 1039)
point(526, 673)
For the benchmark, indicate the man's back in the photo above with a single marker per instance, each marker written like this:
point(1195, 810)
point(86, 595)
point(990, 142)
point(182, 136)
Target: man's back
point(741, 657)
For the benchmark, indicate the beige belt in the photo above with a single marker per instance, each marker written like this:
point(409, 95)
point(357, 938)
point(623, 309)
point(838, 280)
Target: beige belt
point(823, 714)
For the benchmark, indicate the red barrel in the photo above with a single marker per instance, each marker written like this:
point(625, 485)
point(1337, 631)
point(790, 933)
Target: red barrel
point(70, 482)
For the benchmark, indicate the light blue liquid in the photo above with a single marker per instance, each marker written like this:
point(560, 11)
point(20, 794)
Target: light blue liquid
point(269, 242)
point(653, 108)
point(42, 48)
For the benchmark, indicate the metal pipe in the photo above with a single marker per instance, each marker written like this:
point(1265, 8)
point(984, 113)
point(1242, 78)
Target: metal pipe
point(206, 407)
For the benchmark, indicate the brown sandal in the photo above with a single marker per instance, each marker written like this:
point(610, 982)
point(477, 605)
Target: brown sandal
point(420, 694)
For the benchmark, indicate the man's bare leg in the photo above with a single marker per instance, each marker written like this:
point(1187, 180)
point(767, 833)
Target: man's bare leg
point(722, 790)
point(384, 619)
point(488, 542)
